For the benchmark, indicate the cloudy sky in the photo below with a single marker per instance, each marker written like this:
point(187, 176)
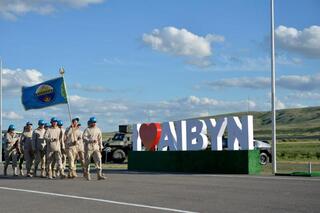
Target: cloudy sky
point(140, 61)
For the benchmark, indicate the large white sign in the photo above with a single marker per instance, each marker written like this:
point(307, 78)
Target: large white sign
point(194, 134)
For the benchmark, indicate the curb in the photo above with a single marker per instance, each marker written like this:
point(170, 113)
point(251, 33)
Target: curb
point(300, 174)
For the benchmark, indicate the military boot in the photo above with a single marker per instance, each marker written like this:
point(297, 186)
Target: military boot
point(62, 175)
point(15, 171)
point(5, 170)
point(54, 173)
point(43, 173)
point(74, 173)
point(87, 176)
point(35, 172)
point(100, 175)
point(28, 173)
point(21, 172)
point(50, 174)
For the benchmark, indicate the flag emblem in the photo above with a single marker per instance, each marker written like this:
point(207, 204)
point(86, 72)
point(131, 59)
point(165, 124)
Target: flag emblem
point(45, 93)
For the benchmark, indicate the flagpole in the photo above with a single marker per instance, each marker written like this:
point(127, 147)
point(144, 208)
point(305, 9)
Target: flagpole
point(1, 109)
point(61, 71)
point(273, 93)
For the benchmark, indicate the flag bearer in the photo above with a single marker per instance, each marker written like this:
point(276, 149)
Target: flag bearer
point(73, 137)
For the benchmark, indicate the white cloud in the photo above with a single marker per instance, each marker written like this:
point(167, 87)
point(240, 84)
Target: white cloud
point(12, 116)
point(284, 60)
point(214, 38)
point(193, 106)
point(290, 82)
point(11, 9)
point(199, 62)
point(304, 96)
point(306, 41)
point(252, 83)
point(81, 3)
point(13, 80)
point(90, 88)
point(181, 42)
point(241, 63)
point(235, 63)
point(98, 106)
point(280, 104)
point(300, 82)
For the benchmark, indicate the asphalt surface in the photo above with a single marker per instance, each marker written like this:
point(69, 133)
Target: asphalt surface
point(123, 191)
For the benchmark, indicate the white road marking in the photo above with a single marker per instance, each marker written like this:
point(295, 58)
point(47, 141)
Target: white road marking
point(97, 200)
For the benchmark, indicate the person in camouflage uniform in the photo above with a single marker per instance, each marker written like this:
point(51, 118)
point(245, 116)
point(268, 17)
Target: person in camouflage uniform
point(53, 137)
point(12, 148)
point(26, 145)
point(39, 146)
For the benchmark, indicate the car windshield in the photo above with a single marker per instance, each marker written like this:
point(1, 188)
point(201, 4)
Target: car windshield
point(118, 137)
point(261, 144)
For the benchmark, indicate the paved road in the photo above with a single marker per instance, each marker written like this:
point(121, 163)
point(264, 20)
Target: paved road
point(195, 193)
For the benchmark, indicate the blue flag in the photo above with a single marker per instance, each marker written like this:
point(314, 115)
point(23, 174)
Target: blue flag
point(45, 94)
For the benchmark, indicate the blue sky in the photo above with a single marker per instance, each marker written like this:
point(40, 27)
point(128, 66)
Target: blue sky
point(140, 61)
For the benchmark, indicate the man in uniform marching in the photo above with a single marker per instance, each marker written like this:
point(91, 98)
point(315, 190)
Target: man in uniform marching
point(80, 151)
point(39, 146)
point(26, 145)
point(54, 140)
point(73, 137)
point(92, 138)
point(63, 151)
point(11, 141)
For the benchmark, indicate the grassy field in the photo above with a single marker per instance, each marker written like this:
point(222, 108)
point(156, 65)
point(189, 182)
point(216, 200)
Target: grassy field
point(291, 166)
point(298, 151)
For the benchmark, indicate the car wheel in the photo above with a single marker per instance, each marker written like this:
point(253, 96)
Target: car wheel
point(118, 156)
point(263, 158)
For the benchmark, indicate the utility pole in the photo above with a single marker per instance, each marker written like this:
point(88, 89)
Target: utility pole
point(273, 94)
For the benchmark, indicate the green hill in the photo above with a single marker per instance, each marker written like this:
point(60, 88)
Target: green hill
point(292, 124)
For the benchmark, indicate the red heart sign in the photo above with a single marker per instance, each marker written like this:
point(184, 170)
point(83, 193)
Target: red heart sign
point(150, 135)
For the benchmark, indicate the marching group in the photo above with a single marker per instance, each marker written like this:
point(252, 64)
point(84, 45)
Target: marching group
point(52, 146)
